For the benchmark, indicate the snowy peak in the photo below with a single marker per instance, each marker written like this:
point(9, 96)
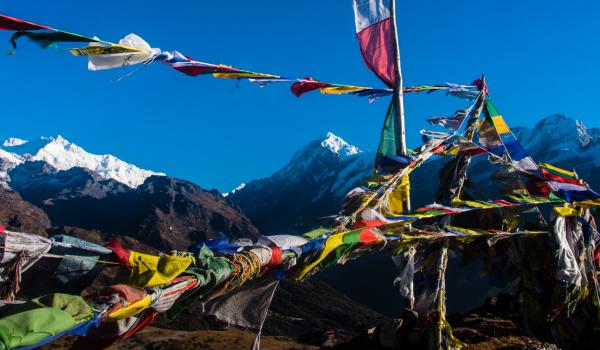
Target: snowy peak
point(558, 137)
point(338, 146)
point(309, 185)
point(63, 154)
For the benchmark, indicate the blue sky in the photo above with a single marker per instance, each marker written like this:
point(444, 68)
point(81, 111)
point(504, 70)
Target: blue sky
point(540, 57)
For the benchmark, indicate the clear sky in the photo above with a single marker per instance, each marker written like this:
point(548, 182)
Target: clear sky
point(540, 57)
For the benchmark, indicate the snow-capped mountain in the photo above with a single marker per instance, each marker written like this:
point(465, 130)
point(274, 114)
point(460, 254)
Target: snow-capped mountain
point(63, 155)
point(314, 182)
point(310, 185)
point(560, 140)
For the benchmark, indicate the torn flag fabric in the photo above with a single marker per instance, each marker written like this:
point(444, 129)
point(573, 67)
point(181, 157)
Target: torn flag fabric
point(262, 82)
point(11, 23)
point(461, 91)
point(451, 123)
point(19, 252)
point(376, 37)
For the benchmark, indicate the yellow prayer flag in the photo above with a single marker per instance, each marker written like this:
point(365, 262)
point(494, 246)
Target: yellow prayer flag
point(567, 210)
point(398, 196)
point(558, 170)
point(130, 310)
point(500, 125)
point(337, 90)
point(331, 243)
point(97, 50)
point(472, 204)
point(240, 75)
point(590, 203)
point(151, 270)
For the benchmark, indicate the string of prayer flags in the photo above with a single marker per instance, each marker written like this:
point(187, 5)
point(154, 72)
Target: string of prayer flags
point(134, 50)
point(193, 68)
point(189, 66)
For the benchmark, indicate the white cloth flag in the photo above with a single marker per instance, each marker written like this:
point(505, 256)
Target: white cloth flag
point(567, 269)
point(14, 243)
point(116, 60)
point(282, 241)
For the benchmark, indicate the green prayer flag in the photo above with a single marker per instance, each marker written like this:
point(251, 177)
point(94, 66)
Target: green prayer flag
point(491, 108)
point(388, 144)
point(47, 39)
point(316, 233)
point(29, 323)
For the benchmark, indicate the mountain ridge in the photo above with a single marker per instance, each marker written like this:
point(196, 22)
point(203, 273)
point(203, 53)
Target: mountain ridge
point(63, 155)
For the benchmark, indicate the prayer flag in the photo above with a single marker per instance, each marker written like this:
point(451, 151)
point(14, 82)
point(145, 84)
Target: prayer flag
point(11, 23)
point(376, 37)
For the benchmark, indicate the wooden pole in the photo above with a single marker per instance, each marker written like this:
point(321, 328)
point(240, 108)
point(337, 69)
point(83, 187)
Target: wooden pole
point(398, 96)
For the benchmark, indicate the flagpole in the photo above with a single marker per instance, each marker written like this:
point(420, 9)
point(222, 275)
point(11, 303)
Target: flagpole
point(398, 96)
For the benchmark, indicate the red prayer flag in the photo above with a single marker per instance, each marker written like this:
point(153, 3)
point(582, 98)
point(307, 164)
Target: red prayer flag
point(11, 23)
point(367, 236)
point(299, 88)
point(376, 38)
